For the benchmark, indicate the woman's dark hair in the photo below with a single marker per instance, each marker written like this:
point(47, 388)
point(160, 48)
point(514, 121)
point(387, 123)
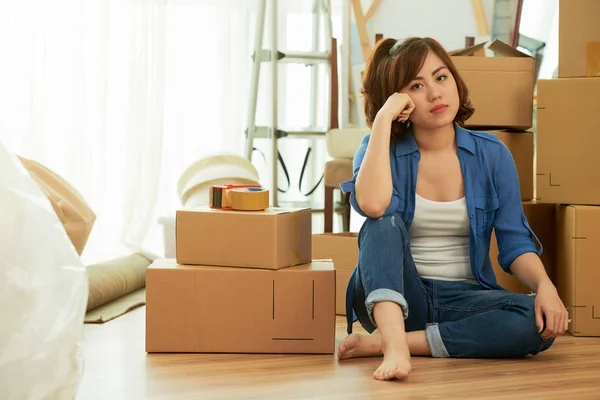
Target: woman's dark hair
point(393, 64)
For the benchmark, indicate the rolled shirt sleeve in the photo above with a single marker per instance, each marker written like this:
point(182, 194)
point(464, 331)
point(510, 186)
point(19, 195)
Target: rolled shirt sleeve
point(513, 233)
point(349, 186)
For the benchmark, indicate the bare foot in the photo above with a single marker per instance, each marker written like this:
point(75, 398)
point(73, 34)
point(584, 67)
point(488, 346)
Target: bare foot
point(395, 365)
point(356, 345)
point(394, 342)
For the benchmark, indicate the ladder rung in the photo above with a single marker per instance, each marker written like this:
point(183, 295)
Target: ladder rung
point(294, 57)
point(304, 57)
point(307, 132)
point(262, 132)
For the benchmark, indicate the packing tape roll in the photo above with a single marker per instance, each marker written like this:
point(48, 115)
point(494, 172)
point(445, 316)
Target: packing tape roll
point(249, 199)
point(219, 195)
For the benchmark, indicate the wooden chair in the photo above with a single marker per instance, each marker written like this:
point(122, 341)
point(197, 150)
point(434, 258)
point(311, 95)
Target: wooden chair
point(336, 172)
point(341, 147)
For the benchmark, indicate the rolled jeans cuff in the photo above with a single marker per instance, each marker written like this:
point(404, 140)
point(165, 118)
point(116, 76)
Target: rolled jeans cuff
point(436, 345)
point(380, 295)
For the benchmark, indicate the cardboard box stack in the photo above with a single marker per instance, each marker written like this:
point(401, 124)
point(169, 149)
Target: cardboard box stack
point(568, 166)
point(242, 282)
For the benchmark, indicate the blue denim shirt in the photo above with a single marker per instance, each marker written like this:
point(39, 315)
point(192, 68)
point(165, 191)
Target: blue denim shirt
point(492, 194)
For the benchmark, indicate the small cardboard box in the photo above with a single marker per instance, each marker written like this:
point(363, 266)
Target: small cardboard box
point(500, 88)
point(201, 309)
point(578, 271)
point(578, 38)
point(568, 139)
point(520, 145)
point(542, 219)
point(342, 248)
point(270, 239)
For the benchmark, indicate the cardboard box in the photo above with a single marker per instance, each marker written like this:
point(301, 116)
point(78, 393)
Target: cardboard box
point(593, 59)
point(500, 88)
point(568, 139)
point(342, 248)
point(578, 37)
point(542, 219)
point(578, 271)
point(270, 239)
point(520, 145)
point(202, 309)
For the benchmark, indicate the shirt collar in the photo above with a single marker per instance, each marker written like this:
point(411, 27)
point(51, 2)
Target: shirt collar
point(408, 145)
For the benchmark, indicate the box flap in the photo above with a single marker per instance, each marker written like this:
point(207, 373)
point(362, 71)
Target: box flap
point(497, 46)
point(467, 51)
point(506, 50)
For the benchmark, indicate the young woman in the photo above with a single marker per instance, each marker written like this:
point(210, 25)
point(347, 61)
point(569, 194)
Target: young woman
point(432, 191)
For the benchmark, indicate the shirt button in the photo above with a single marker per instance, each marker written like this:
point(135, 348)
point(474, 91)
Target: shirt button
point(472, 216)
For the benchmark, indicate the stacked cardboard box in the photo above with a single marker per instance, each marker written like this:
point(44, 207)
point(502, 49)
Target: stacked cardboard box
point(242, 282)
point(500, 87)
point(568, 166)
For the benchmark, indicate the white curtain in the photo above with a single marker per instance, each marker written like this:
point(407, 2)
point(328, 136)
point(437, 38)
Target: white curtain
point(119, 96)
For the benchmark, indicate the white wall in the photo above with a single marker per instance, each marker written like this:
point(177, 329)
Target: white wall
point(446, 21)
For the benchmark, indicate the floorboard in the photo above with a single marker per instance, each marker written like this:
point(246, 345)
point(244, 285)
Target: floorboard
point(117, 367)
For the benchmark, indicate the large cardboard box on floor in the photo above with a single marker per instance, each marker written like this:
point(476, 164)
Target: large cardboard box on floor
point(270, 239)
point(202, 309)
point(520, 145)
point(542, 220)
point(500, 88)
point(342, 248)
point(578, 38)
point(568, 139)
point(578, 270)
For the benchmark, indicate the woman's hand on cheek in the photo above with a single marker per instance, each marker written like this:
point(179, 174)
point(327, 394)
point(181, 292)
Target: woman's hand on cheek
point(403, 117)
point(398, 107)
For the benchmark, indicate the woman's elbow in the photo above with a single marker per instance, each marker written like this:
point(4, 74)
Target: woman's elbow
point(374, 214)
point(372, 209)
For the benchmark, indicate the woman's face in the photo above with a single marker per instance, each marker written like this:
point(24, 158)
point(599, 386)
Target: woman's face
point(434, 93)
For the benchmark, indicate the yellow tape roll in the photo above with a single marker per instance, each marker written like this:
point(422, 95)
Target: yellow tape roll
point(249, 199)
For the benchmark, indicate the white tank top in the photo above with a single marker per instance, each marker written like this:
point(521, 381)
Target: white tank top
point(439, 239)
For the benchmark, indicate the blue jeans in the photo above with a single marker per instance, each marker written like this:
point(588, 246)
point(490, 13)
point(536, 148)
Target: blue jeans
point(460, 319)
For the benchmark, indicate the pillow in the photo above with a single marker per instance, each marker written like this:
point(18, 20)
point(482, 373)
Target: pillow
point(75, 214)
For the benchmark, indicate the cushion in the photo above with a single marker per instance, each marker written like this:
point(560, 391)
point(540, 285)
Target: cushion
point(343, 143)
point(337, 171)
point(75, 214)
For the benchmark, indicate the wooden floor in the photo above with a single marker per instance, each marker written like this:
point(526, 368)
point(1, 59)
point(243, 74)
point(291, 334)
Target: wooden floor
point(117, 367)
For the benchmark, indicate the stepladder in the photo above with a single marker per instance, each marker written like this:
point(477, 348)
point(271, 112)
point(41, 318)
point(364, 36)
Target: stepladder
point(270, 54)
